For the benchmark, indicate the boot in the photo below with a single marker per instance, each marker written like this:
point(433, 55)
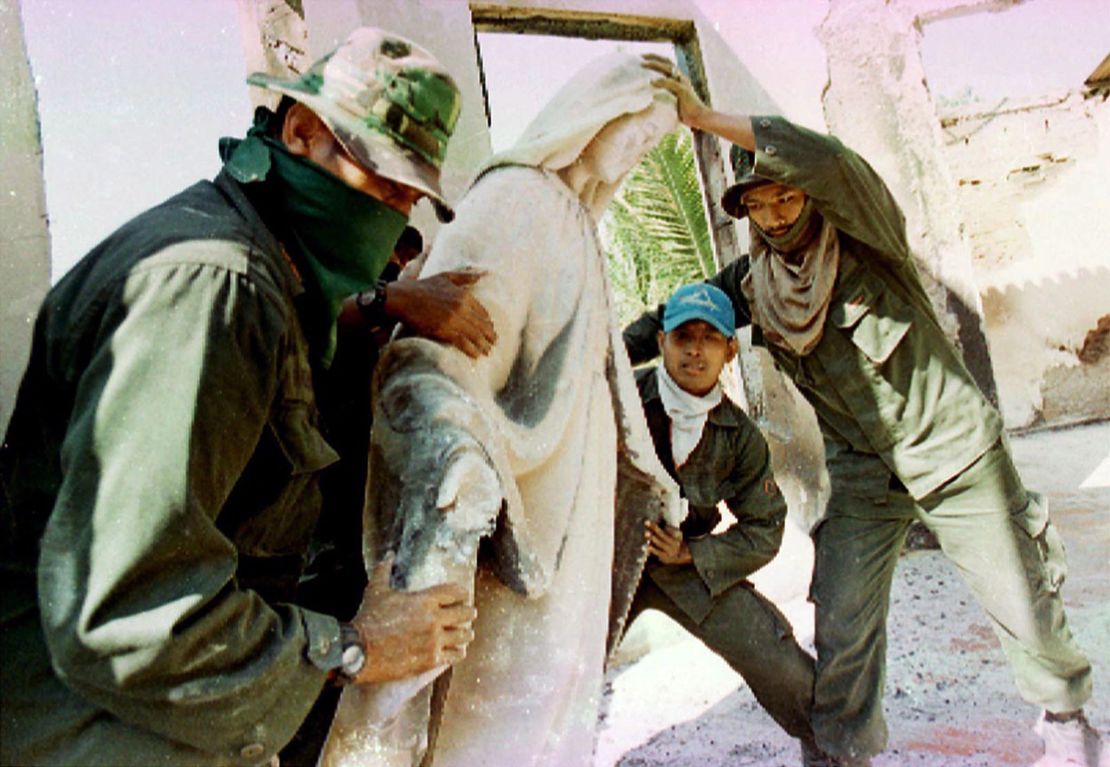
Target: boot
point(813, 756)
point(1069, 741)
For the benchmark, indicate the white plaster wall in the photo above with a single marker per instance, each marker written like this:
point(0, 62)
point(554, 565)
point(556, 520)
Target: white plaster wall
point(24, 240)
point(777, 45)
point(1034, 188)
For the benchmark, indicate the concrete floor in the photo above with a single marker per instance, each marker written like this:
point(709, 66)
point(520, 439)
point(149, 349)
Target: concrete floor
point(950, 701)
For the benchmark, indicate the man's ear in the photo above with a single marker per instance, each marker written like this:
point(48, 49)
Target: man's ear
point(660, 337)
point(733, 349)
point(302, 129)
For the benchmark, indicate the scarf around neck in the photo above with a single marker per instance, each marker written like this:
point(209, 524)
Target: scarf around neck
point(688, 413)
point(790, 299)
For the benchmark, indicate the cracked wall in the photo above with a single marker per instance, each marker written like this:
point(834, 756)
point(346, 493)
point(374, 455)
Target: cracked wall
point(24, 239)
point(877, 100)
point(1032, 185)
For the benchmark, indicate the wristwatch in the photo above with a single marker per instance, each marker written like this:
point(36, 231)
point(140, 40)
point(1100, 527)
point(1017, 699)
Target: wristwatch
point(354, 654)
point(371, 303)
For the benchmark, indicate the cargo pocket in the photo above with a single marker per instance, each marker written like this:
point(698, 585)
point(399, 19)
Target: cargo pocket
point(1045, 561)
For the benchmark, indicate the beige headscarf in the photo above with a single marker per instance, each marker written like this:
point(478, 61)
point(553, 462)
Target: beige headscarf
point(789, 300)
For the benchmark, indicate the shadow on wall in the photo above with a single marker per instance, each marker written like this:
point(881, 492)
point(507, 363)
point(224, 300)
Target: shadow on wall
point(1050, 348)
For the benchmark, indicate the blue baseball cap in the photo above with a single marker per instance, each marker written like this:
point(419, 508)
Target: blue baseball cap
point(700, 301)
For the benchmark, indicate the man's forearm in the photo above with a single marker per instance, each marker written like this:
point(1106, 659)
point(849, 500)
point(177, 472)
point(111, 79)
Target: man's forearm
point(734, 128)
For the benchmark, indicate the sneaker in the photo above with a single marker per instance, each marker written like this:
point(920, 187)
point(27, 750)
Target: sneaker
point(813, 756)
point(1070, 742)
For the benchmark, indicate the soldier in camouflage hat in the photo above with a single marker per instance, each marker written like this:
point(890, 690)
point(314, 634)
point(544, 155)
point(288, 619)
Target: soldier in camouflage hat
point(161, 474)
point(388, 101)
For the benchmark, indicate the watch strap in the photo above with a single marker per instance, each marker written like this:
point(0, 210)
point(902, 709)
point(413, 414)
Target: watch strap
point(371, 303)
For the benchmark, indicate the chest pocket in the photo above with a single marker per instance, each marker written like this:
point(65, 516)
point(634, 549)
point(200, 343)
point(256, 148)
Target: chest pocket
point(875, 320)
point(866, 325)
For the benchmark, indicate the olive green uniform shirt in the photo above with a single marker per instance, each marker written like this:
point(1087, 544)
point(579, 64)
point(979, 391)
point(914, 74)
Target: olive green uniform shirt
point(884, 379)
point(730, 463)
point(159, 492)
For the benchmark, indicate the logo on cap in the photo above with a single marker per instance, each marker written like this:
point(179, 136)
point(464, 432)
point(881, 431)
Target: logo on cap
point(700, 301)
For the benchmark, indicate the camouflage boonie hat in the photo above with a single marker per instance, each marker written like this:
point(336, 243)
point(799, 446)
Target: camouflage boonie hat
point(388, 101)
point(743, 170)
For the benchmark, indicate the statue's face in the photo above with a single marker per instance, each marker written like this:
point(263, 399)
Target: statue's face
point(621, 144)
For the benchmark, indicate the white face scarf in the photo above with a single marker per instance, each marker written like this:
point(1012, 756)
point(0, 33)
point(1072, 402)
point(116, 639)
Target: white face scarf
point(688, 413)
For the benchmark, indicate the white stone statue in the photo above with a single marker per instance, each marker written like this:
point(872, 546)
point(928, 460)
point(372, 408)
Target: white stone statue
point(539, 449)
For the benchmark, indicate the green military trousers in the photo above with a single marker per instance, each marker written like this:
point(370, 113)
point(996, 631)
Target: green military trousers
point(755, 639)
point(1000, 539)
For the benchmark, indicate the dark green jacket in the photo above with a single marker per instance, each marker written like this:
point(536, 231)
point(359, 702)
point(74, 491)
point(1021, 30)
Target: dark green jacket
point(159, 490)
point(884, 380)
point(730, 463)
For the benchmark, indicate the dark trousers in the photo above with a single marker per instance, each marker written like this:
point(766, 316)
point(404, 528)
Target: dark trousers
point(756, 640)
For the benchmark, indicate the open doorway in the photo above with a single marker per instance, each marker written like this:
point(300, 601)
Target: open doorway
point(658, 231)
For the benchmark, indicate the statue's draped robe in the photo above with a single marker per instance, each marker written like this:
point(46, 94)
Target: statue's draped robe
point(528, 691)
point(553, 417)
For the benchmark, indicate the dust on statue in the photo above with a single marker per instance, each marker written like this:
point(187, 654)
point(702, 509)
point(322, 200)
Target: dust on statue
point(525, 475)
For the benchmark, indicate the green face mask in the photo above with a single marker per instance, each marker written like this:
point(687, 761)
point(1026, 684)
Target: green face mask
point(341, 236)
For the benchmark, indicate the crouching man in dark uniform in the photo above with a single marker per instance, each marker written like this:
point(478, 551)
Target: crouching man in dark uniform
point(715, 453)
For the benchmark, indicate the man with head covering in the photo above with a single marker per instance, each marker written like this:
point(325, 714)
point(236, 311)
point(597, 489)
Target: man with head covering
point(529, 439)
point(160, 473)
point(832, 290)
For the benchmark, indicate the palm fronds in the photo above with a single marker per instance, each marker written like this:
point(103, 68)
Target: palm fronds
point(655, 232)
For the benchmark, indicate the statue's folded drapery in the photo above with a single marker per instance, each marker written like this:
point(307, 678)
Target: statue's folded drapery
point(540, 448)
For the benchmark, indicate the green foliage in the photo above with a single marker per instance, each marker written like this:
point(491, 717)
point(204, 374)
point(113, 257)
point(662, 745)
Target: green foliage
point(655, 233)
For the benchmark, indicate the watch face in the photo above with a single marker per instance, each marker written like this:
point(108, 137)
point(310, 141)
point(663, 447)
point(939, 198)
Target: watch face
point(353, 659)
